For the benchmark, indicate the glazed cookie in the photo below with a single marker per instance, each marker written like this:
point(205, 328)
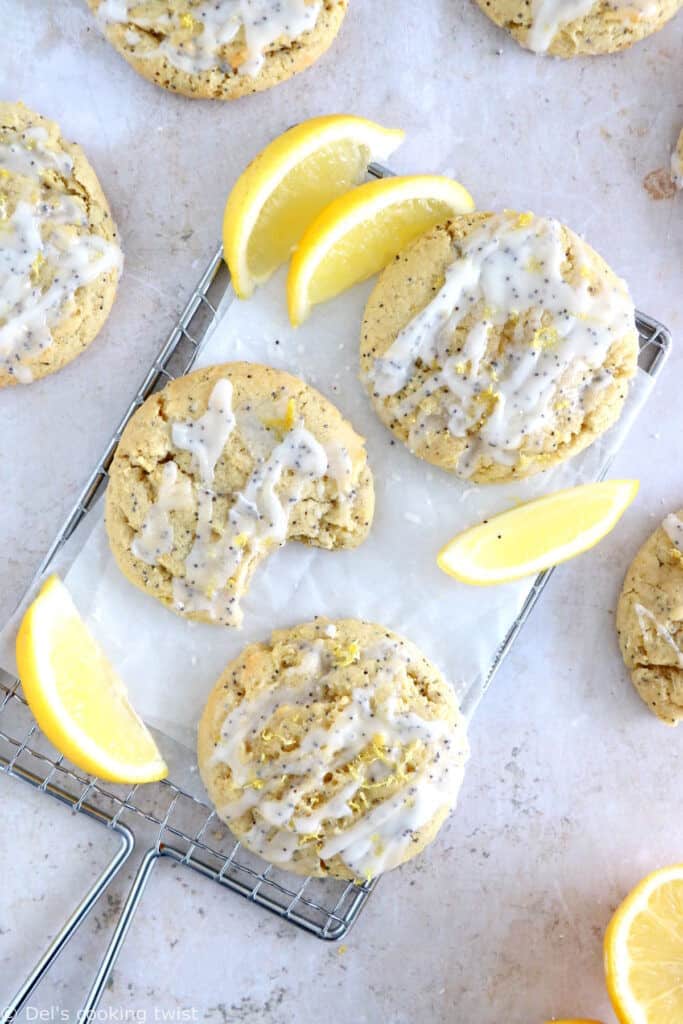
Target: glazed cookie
point(335, 748)
point(219, 49)
point(219, 469)
point(498, 345)
point(650, 620)
point(59, 256)
point(567, 28)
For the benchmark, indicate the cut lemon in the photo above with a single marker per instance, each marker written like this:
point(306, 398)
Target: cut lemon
point(538, 534)
point(644, 951)
point(287, 186)
point(359, 233)
point(76, 696)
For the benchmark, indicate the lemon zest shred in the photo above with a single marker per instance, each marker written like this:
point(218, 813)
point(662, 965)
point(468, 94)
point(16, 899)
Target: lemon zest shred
point(36, 266)
point(545, 338)
point(309, 837)
point(524, 220)
point(254, 784)
point(283, 424)
point(346, 655)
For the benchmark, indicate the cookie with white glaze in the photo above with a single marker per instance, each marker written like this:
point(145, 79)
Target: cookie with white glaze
point(60, 259)
point(579, 27)
point(650, 620)
point(333, 748)
point(219, 469)
point(497, 345)
point(219, 49)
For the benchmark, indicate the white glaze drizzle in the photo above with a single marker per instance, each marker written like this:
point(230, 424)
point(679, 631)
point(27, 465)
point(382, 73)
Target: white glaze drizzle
point(673, 528)
point(45, 227)
point(220, 560)
point(511, 266)
point(213, 24)
point(259, 517)
point(205, 437)
point(155, 537)
point(549, 16)
point(645, 615)
point(377, 839)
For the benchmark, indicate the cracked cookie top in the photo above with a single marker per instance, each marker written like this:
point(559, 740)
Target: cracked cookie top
point(59, 256)
point(219, 469)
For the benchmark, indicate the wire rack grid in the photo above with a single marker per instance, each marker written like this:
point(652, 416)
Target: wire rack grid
point(165, 820)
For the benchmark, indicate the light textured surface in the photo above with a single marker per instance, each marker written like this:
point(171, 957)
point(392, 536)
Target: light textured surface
point(564, 804)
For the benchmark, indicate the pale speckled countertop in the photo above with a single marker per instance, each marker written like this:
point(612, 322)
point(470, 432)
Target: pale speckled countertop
point(573, 790)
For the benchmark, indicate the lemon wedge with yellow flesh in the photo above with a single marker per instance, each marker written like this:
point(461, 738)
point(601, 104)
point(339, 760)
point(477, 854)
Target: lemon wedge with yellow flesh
point(538, 534)
point(359, 233)
point(644, 951)
point(76, 696)
point(287, 185)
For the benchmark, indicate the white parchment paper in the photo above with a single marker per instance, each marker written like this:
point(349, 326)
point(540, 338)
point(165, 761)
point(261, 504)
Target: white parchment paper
point(170, 664)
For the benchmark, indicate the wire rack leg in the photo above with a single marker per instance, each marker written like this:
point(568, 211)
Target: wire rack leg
point(124, 922)
point(15, 1004)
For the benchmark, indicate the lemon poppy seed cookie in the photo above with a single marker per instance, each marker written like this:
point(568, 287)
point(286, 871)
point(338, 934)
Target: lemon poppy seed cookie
point(59, 256)
point(334, 748)
point(498, 345)
point(650, 620)
point(569, 28)
point(219, 469)
point(219, 49)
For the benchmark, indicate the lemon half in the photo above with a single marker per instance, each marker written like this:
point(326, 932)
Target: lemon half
point(644, 951)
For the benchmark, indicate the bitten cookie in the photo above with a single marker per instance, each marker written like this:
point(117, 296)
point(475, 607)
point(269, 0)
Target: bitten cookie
point(582, 26)
point(498, 345)
point(334, 748)
point(219, 49)
point(59, 256)
point(219, 469)
point(650, 620)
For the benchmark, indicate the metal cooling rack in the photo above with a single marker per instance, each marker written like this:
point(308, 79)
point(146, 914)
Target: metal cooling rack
point(164, 820)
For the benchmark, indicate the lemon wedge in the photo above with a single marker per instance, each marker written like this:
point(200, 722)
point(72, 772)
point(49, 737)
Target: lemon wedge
point(76, 696)
point(287, 185)
point(644, 951)
point(537, 534)
point(359, 233)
